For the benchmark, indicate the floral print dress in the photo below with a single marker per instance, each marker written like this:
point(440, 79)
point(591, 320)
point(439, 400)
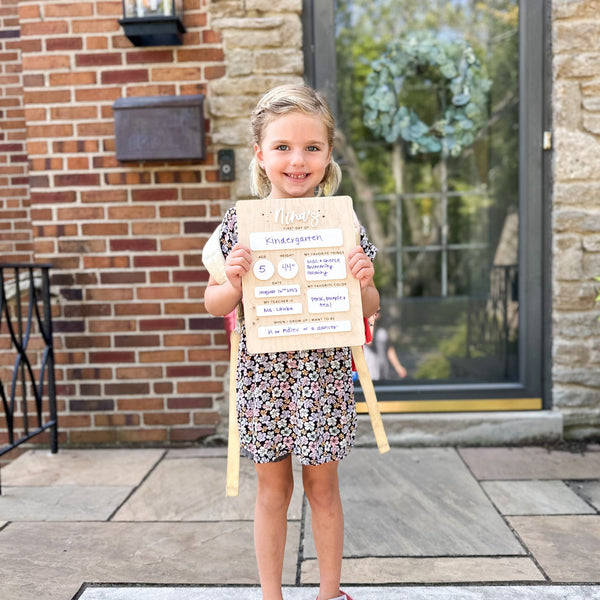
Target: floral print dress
point(299, 402)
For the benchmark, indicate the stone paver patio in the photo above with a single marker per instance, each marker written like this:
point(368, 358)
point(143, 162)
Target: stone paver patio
point(421, 522)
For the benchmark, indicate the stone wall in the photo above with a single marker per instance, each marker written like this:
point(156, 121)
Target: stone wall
point(576, 215)
point(262, 44)
point(262, 41)
point(139, 360)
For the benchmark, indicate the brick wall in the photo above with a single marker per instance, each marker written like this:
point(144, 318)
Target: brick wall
point(138, 359)
point(576, 214)
point(15, 223)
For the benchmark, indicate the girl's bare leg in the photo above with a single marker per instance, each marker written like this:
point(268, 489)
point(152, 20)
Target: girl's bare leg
point(322, 490)
point(275, 486)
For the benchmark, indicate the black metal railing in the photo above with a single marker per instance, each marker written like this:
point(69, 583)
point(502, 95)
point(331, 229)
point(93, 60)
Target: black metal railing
point(26, 334)
point(493, 320)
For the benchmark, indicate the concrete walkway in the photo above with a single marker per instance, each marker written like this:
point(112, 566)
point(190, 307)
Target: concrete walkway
point(421, 523)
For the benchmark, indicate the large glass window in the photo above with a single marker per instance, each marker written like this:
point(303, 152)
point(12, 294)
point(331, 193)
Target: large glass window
point(429, 100)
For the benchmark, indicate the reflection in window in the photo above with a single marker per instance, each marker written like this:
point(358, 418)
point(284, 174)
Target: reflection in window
point(428, 142)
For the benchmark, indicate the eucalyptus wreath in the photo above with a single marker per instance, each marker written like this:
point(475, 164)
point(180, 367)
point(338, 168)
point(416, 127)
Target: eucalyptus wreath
point(452, 69)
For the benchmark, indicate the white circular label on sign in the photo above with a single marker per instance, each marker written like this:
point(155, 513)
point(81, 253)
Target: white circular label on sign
point(263, 269)
point(287, 268)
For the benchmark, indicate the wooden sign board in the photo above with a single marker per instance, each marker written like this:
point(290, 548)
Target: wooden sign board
point(299, 293)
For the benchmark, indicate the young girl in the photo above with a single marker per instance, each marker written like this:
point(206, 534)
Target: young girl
point(300, 402)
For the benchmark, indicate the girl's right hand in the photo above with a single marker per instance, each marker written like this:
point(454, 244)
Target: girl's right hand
point(237, 265)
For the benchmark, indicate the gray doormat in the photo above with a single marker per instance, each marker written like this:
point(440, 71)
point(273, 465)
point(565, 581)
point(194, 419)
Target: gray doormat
point(432, 592)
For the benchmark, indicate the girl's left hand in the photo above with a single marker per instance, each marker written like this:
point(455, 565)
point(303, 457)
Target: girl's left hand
point(361, 266)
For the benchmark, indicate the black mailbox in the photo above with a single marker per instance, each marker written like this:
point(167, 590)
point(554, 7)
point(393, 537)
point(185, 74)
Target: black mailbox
point(160, 128)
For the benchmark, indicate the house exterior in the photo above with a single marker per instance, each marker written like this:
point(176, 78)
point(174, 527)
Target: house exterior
point(138, 359)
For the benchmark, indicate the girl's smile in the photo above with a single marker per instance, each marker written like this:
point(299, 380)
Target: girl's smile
point(294, 152)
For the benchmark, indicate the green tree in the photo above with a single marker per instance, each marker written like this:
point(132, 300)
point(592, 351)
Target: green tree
point(404, 209)
point(363, 31)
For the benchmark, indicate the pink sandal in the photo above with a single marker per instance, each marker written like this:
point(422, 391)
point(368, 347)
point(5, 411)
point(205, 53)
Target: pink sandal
point(342, 595)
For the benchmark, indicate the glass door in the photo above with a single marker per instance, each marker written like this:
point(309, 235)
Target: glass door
point(428, 101)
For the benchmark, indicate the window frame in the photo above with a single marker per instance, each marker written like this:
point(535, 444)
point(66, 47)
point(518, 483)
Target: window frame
point(534, 214)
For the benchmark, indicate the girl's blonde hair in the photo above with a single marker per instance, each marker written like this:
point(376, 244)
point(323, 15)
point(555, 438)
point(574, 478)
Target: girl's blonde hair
point(280, 101)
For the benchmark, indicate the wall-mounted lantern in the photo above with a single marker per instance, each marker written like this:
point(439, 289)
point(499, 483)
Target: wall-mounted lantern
point(153, 22)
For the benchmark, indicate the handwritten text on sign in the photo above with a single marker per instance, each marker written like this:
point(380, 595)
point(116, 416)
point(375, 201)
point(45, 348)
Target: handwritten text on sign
point(299, 286)
point(290, 240)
